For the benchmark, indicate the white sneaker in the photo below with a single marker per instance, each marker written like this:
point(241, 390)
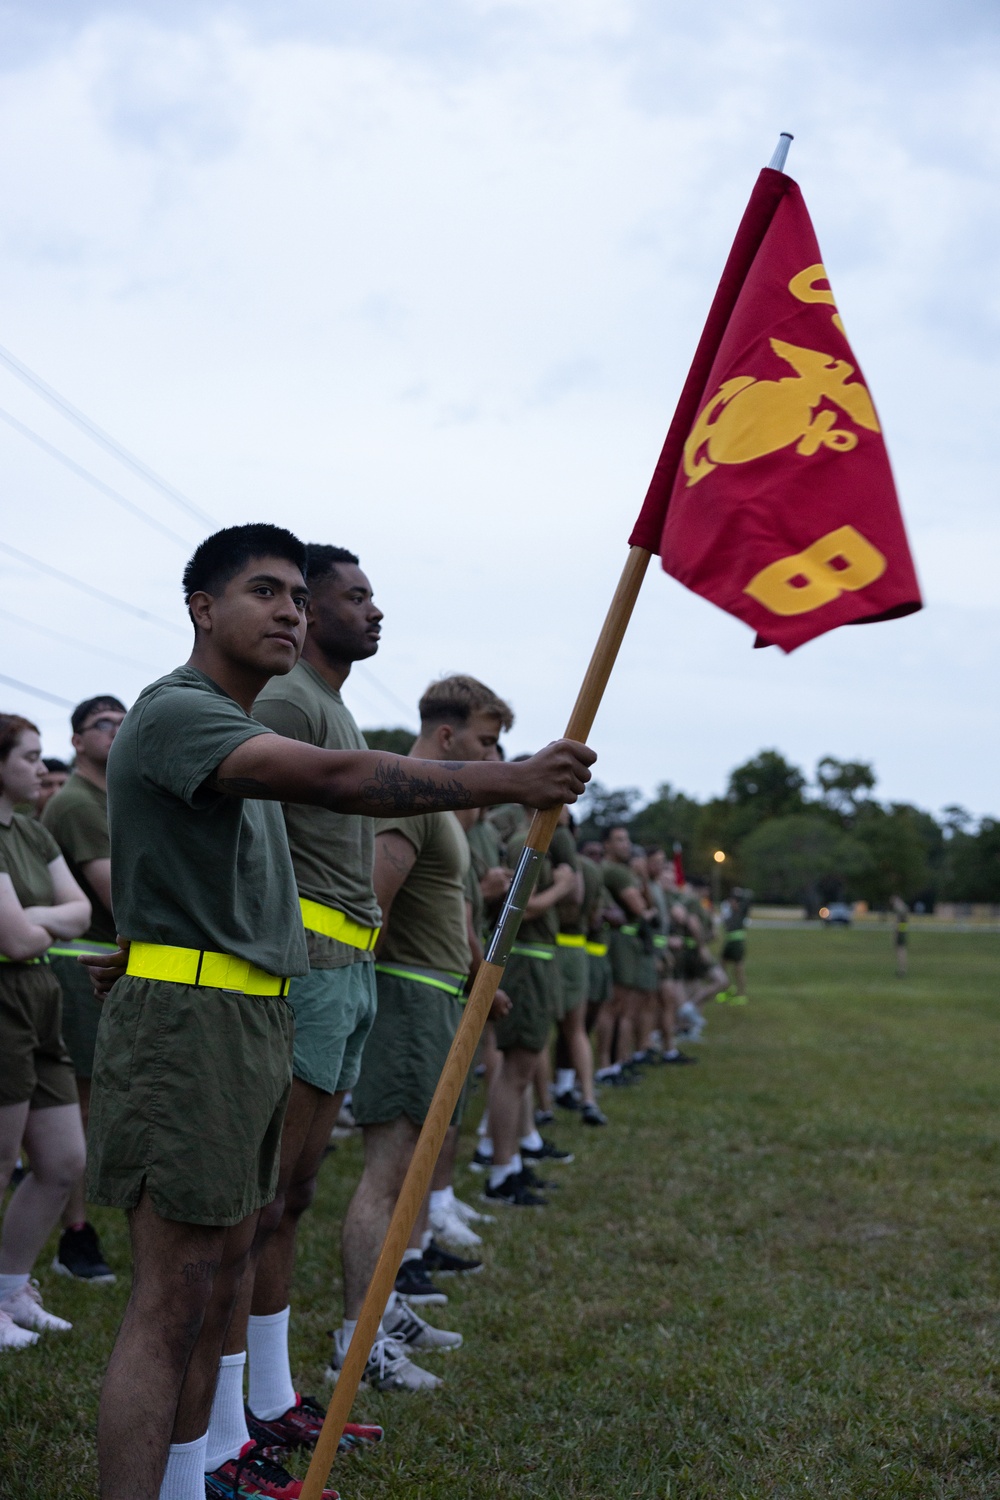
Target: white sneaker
point(406, 1326)
point(450, 1227)
point(26, 1310)
point(13, 1337)
point(388, 1369)
point(470, 1215)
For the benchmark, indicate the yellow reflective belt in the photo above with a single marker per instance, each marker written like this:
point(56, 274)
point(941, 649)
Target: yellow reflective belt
point(5, 960)
point(546, 953)
point(73, 950)
point(597, 950)
point(571, 940)
point(659, 941)
point(215, 971)
point(334, 924)
point(629, 931)
point(458, 990)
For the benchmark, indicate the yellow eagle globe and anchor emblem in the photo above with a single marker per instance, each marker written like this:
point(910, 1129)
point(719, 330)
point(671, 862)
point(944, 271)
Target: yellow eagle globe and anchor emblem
point(749, 418)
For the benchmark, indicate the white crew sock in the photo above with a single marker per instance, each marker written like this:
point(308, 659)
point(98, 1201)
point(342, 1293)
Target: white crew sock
point(227, 1426)
point(565, 1080)
point(271, 1388)
point(485, 1145)
point(442, 1199)
point(425, 1240)
point(608, 1072)
point(483, 1128)
point(11, 1283)
point(500, 1174)
point(184, 1476)
point(411, 1254)
point(532, 1142)
point(672, 1052)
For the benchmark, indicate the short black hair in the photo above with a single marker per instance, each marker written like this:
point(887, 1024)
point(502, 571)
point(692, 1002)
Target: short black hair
point(83, 711)
point(322, 561)
point(52, 764)
point(224, 554)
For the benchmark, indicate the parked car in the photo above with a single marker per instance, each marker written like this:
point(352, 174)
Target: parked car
point(837, 915)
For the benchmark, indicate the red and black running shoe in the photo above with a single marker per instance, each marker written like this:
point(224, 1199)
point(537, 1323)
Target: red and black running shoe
point(300, 1426)
point(253, 1475)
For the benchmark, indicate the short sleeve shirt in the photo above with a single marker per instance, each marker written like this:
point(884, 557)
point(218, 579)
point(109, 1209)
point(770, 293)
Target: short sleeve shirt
point(593, 897)
point(26, 851)
point(543, 928)
point(332, 853)
point(77, 818)
point(190, 866)
point(619, 878)
point(427, 924)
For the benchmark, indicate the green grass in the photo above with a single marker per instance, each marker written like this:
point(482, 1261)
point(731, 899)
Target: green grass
point(774, 1275)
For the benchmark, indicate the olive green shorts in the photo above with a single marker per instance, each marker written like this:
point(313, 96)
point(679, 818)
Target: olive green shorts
point(646, 973)
point(334, 1010)
point(734, 950)
point(414, 1028)
point(36, 1066)
point(574, 974)
point(600, 986)
point(625, 952)
point(188, 1099)
point(81, 1012)
point(535, 989)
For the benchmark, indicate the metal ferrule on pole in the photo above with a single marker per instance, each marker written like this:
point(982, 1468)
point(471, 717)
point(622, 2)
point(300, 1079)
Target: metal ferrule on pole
point(517, 899)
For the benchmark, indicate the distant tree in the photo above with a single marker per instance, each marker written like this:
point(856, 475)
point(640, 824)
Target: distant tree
point(972, 863)
point(769, 785)
point(896, 841)
point(671, 815)
point(399, 741)
point(801, 858)
point(844, 784)
point(601, 808)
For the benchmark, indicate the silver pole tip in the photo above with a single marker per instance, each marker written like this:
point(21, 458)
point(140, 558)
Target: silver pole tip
point(777, 162)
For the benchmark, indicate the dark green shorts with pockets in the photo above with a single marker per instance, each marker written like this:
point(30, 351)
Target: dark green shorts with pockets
point(406, 1049)
point(535, 989)
point(35, 1067)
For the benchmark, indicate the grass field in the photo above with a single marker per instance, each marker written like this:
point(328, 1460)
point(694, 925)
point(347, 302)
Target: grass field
point(776, 1274)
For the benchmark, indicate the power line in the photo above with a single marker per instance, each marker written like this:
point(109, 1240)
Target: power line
point(85, 474)
point(68, 640)
point(398, 703)
point(87, 588)
point(98, 434)
point(26, 687)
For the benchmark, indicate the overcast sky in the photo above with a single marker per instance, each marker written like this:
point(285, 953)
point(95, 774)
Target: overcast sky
point(424, 280)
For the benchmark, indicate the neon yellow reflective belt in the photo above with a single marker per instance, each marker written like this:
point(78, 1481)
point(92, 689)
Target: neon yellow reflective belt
point(659, 941)
point(597, 950)
point(5, 960)
point(215, 971)
point(545, 953)
point(73, 950)
point(629, 931)
point(737, 932)
point(571, 940)
point(334, 924)
point(450, 986)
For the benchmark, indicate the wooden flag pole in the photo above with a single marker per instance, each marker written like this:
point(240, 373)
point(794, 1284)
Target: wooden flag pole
point(477, 1008)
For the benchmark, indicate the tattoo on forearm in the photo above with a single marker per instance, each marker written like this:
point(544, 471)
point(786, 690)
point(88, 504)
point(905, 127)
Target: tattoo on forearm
point(393, 788)
point(199, 1270)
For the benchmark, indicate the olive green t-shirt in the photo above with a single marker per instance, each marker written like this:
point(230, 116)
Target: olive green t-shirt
point(562, 851)
point(193, 867)
point(427, 923)
point(508, 819)
point(484, 847)
point(474, 897)
point(77, 818)
point(619, 878)
point(593, 899)
point(26, 851)
point(332, 853)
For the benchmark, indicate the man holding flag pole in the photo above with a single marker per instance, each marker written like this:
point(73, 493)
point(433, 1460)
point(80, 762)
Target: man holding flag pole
point(773, 497)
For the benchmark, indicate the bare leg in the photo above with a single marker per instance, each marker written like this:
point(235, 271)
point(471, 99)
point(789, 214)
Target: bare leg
point(645, 1019)
point(388, 1149)
point(507, 1102)
point(180, 1271)
point(542, 1082)
point(56, 1150)
point(670, 1000)
point(75, 1211)
point(627, 1005)
point(445, 1168)
point(574, 1031)
point(604, 1032)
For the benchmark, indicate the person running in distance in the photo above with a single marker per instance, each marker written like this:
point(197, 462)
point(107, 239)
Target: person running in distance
point(40, 903)
point(194, 1054)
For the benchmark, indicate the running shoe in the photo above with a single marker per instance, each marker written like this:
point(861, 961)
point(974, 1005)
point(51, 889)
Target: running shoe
point(255, 1473)
point(679, 1059)
point(80, 1255)
point(568, 1100)
point(301, 1424)
point(441, 1262)
point(409, 1329)
point(446, 1223)
point(416, 1286)
point(14, 1337)
point(547, 1151)
point(543, 1117)
point(482, 1161)
point(514, 1192)
point(591, 1115)
point(739, 1000)
point(389, 1367)
point(26, 1310)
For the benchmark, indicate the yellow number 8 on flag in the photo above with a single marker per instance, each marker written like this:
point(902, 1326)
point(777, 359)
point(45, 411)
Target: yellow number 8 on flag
point(842, 561)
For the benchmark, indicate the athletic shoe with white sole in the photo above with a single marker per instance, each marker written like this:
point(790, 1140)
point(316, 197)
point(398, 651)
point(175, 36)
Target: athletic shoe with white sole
point(80, 1255)
point(470, 1215)
point(547, 1151)
point(403, 1324)
point(482, 1161)
point(26, 1310)
point(13, 1337)
point(453, 1229)
point(514, 1192)
point(255, 1473)
point(591, 1115)
point(389, 1367)
point(440, 1262)
point(301, 1424)
point(414, 1283)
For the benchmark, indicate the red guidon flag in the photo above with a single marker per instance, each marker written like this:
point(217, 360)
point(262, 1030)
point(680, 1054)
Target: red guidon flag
point(773, 496)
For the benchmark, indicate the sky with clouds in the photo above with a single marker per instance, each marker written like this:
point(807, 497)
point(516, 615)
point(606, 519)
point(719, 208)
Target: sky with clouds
point(424, 279)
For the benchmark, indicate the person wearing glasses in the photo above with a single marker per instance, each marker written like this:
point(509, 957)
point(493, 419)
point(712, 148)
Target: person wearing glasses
point(77, 818)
